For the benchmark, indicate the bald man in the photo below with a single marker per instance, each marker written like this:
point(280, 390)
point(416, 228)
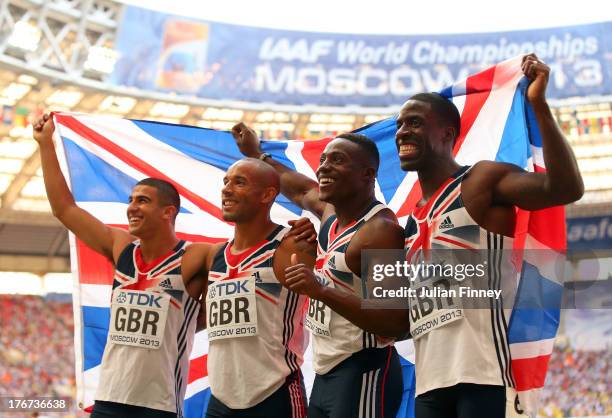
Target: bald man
point(255, 329)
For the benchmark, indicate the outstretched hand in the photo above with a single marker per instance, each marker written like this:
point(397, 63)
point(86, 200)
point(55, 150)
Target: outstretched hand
point(538, 73)
point(247, 140)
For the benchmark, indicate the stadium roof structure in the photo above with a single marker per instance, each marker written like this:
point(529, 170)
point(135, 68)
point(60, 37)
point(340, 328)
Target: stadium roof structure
point(55, 55)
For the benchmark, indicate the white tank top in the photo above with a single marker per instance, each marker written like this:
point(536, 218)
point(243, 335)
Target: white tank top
point(472, 346)
point(334, 337)
point(153, 322)
point(255, 325)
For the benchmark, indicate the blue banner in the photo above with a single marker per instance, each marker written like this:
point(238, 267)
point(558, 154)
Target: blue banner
point(175, 54)
point(593, 233)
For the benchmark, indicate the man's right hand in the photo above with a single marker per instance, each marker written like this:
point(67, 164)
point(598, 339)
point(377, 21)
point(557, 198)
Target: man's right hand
point(247, 140)
point(43, 129)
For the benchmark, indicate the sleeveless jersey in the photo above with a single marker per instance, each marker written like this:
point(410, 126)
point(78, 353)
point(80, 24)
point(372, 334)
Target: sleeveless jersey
point(471, 346)
point(334, 337)
point(153, 322)
point(255, 326)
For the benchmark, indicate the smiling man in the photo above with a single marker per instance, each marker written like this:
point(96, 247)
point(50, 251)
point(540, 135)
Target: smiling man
point(158, 284)
point(357, 372)
point(463, 365)
point(157, 287)
point(255, 332)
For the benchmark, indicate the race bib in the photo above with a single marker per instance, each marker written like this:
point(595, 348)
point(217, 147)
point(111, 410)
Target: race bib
point(138, 318)
point(435, 304)
point(231, 309)
point(319, 314)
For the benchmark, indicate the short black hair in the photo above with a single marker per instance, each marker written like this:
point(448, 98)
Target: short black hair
point(167, 193)
point(366, 144)
point(443, 107)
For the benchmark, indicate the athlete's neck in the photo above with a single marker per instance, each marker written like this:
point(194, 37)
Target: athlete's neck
point(251, 233)
point(347, 212)
point(435, 174)
point(157, 246)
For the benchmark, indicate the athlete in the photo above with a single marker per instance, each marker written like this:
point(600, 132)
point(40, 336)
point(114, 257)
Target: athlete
point(255, 325)
point(157, 289)
point(463, 364)
point(157, 286)
point(357, 372)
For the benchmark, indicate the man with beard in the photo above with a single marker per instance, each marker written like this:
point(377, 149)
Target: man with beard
point(463, 365)
point(255, 325)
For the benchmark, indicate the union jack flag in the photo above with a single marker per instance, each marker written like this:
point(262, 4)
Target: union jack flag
point(103, 157)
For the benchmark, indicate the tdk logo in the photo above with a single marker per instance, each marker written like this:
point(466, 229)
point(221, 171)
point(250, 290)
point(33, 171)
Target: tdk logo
point(230, 288)
point(140, 299)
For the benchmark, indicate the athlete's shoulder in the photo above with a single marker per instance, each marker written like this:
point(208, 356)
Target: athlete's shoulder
point(381, 231)
point(487, 169)
point(198, 257)
point(198, 248)
point(121, 241)
point(384, 218)
point(485, 175)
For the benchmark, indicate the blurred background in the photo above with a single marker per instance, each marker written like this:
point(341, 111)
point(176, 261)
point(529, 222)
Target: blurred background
point(105, 57)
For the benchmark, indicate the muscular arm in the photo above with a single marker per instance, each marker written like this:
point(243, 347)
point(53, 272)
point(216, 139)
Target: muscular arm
point(300, 189)
point(194, 268)
point(376, 316)
point(202, 263)
point(103, 239)
point(290, 252)
point(562, 182)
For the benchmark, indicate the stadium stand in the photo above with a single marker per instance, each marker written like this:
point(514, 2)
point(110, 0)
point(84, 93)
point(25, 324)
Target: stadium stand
point(58, 54)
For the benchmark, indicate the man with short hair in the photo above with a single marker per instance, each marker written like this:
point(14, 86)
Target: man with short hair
point(145, 363)
point(357, 372)
point(255, 331)
point(463, 364)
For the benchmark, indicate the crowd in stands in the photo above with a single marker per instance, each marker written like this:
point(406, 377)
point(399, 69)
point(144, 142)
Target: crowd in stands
point(578, 384)
point(37, 356)
point(37, 359)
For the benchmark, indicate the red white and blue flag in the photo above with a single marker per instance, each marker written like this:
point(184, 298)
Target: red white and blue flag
point(103, 157)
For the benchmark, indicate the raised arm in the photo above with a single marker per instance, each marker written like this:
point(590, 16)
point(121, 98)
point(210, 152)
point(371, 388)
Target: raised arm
point(105, 240)
point(562, 182)
point(382, 317)
point(300, 189)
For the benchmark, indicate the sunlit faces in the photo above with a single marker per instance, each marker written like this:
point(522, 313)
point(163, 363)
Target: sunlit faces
point(245, 192)
point(420, 135)
point(342, 171)
point(145, 212)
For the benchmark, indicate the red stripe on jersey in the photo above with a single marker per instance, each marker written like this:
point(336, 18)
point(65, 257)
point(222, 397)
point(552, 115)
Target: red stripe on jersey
point(265, 296)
